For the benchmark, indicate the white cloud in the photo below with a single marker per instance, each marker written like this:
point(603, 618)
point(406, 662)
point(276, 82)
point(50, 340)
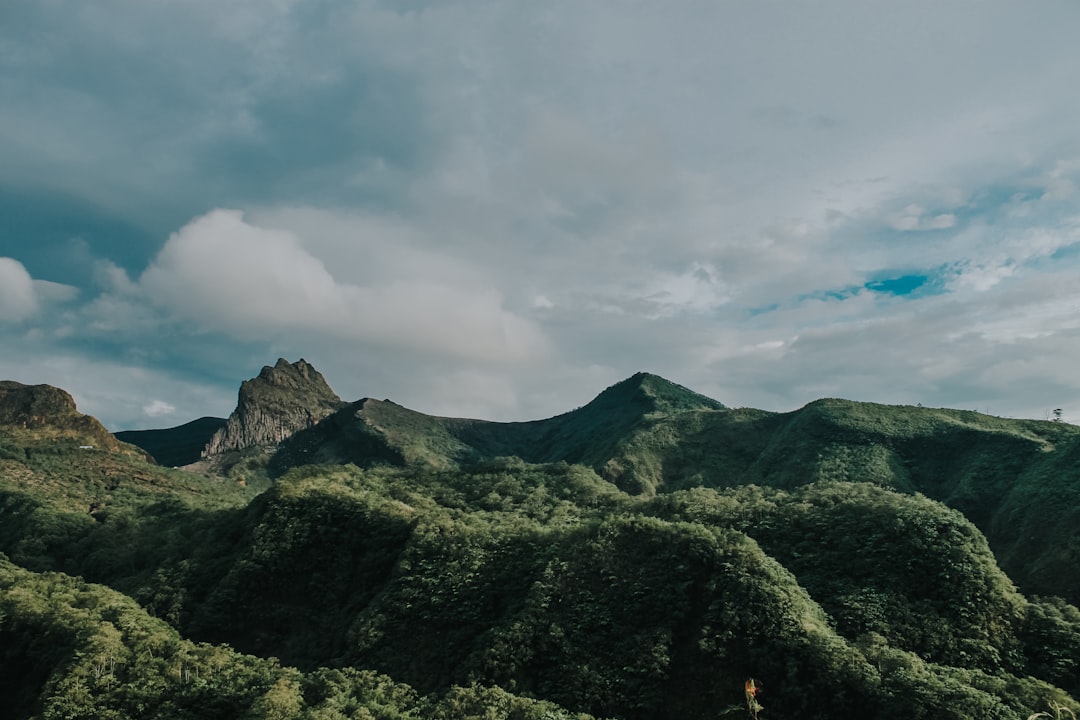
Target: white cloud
point(913, 217)
point(18, 300)
point(22, 297)
point(981, 278)
point(222, 273)
point(158, 408)
point(940, 222)
point(698, 289)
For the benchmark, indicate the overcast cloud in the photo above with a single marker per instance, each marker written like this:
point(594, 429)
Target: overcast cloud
point(496, 209)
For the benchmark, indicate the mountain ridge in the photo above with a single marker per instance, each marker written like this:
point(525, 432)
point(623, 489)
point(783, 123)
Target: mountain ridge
point(638, 557)
point(375, 431)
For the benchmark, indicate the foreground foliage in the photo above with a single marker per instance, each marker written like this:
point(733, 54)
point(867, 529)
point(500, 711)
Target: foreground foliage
point(74, 650)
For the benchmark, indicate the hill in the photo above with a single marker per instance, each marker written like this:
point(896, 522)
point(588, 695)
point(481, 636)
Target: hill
point(1017, 480)
point(844, 600)
point(639, 557)
point(43, 413)
point(177, 446)
point(372, 432)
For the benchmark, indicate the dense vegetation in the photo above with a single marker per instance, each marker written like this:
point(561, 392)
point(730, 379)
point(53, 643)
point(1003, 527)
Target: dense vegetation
point(1017, 480)
point(444, 584)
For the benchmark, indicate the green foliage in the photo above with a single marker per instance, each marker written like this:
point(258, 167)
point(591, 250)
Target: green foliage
point(69, 649)
point(1017, 480)
point(499, 588)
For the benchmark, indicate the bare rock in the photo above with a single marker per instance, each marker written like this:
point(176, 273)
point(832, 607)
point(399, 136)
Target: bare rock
point(271, 407)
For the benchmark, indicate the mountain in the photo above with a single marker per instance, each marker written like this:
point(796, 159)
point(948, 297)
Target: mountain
point(1017, 480)
point(177, 446)
point(372, 432)
point(47, 413)
point(279, 402)
point(640, 557)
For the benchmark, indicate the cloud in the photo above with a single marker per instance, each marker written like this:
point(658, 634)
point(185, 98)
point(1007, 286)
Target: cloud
point(158, 408)
point(22, 297)
point(449, 191)
point(699, 289)
point(18, 300)
point(913, 217)
point(981, 278)
point(220, 273)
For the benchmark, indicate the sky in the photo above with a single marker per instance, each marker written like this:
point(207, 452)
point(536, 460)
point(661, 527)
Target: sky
point(496, 208)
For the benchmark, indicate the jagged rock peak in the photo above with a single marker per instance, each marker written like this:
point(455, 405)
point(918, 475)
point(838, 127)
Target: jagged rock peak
point(279, 402)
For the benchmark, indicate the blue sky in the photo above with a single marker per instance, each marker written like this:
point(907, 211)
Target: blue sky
point(496, 209)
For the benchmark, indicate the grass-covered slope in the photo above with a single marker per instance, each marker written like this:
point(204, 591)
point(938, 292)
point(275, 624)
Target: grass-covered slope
point(372, 432)
point(40, 415)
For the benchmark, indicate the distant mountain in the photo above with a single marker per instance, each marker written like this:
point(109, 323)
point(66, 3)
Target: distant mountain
point(46, 412)
point(373, 432)
point(177, 446)
point(279, 402)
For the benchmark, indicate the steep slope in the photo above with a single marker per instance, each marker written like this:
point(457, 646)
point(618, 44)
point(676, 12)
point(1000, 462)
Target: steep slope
point(280, 401)
point(75, 650)
point(843, 600)
point(177, 446)
point(48, 413)
point(1017, 480)
point(372, 432)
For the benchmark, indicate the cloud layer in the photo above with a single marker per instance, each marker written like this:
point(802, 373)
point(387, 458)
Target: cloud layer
point(484, 208)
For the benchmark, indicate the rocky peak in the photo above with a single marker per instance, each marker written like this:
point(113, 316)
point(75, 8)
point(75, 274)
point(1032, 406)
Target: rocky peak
point(32, 406)
point(52, 411)
point(280, 401)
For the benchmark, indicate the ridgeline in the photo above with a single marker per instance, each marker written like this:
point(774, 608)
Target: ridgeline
point(642, 556)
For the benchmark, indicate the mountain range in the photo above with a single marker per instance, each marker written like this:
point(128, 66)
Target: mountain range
point(638, 557)
point(1017, 480)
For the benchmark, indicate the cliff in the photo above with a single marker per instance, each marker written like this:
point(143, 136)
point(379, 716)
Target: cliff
point(279, 402)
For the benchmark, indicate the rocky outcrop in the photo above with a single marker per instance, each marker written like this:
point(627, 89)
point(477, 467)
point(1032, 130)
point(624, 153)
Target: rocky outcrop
point(51, 412)
point(281, 401)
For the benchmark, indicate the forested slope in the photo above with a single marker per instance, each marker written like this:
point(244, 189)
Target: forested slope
point(695, 548)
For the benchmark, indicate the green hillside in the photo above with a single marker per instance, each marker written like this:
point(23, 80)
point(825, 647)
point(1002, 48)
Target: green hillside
point(641, 557)
point(69, 649)
point(373, 432)
point(1017, 480)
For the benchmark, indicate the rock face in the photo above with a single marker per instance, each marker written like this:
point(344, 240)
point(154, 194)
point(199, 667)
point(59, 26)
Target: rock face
point(51, 411)
point(281, 401)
